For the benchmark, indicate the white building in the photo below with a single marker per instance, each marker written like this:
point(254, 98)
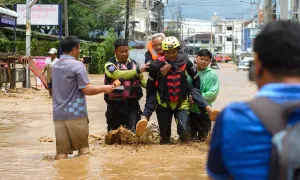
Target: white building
point(228, 35)
point(188, 27)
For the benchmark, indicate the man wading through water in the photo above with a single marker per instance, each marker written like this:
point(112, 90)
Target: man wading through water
point(123, 106)
point(172, 90)
point(70, 85)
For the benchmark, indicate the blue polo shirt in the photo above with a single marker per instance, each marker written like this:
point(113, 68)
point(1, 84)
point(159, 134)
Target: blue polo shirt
point(241, 146)
point(69, 77)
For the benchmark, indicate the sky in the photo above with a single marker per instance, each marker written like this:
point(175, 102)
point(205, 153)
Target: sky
point(204, 9)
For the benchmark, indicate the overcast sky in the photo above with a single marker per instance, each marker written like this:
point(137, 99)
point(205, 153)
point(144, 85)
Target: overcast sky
point(204, 9)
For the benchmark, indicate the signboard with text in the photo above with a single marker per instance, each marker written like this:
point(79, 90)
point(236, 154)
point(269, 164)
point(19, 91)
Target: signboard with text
point(253, 33)
point(41, 14)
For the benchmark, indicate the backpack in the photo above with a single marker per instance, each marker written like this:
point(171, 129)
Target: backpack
point(285, 154)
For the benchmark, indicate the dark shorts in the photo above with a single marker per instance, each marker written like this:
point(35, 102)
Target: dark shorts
point(49, 84)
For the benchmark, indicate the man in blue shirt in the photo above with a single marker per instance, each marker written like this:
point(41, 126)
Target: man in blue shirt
point(241, 146)
point(70, 86)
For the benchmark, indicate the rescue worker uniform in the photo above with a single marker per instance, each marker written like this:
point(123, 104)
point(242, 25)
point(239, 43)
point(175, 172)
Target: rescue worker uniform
point(172, 93)
point(152, 82)
point(172, 98)
point(123, 103)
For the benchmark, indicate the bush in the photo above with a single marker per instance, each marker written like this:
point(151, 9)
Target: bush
point(99, 52)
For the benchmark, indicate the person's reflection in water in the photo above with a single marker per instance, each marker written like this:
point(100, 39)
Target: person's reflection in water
point(74, 168)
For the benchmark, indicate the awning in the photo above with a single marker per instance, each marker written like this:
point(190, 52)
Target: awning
point(7, 17)
point(8, 12)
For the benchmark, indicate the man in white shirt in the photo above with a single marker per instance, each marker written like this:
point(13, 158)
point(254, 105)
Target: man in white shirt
point(48, 67)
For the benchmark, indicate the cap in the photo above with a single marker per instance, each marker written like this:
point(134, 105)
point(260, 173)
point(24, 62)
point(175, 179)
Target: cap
point(53, 51)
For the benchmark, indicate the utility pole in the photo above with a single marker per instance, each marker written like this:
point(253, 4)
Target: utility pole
point(268, 11)
point(242, 41)
point(177, 32)
point(211, 36)
point(258, 13)
point(29, 4)
point(284, 10)
point(232, 40)
point(66, 18)
point(224, 39)
point(159, 28)
point(147, 20)
point(187, 40)
point(127, 20)
point(194, 39)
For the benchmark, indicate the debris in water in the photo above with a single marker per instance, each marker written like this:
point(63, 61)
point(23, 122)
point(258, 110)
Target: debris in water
point(49, 158)
point(125, 136)
point(46, 139)
point(119, 136)
point(96, 138)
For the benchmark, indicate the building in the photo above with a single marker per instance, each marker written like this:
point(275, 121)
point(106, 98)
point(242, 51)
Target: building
point(188, 27)
point(249, 32)
point(147, 18)
point(228, 35)
point(287, 10)
point(199, 41)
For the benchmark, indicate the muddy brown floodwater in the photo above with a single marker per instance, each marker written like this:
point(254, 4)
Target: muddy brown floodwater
point(27, 134)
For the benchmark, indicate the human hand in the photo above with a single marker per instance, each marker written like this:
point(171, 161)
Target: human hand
point(144, 68)
point(165, 69)
point(191, 100)
point(107, 89)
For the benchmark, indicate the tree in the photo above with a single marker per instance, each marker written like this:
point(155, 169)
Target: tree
point(173, 33)
point(87, 18)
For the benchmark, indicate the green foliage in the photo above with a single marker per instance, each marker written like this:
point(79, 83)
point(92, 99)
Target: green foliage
point(6, 45)
point(173, 33)
point(100, 52)
point(98, 59)
point(86, 17)
point(38, 47)
point(109, 43)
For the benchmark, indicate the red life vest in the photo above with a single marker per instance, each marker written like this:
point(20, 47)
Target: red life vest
point(173, 82)
point(128, 88)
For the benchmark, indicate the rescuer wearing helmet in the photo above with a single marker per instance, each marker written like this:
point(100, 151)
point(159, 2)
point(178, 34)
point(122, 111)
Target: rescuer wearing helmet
point(172, 90)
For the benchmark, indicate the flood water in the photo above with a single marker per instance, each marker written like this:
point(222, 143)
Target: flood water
point(27, 116)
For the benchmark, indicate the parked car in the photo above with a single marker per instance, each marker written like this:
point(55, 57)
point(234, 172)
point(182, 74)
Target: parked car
point(244, 56)
point(219, 58)
point(244, 64)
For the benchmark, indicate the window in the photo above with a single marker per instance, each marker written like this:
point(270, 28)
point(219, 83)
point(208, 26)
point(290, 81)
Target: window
point(169, 27)
point(229, 28)
point(204, 41)
point(191, 41)
point(229, 39)
point(219, 29)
